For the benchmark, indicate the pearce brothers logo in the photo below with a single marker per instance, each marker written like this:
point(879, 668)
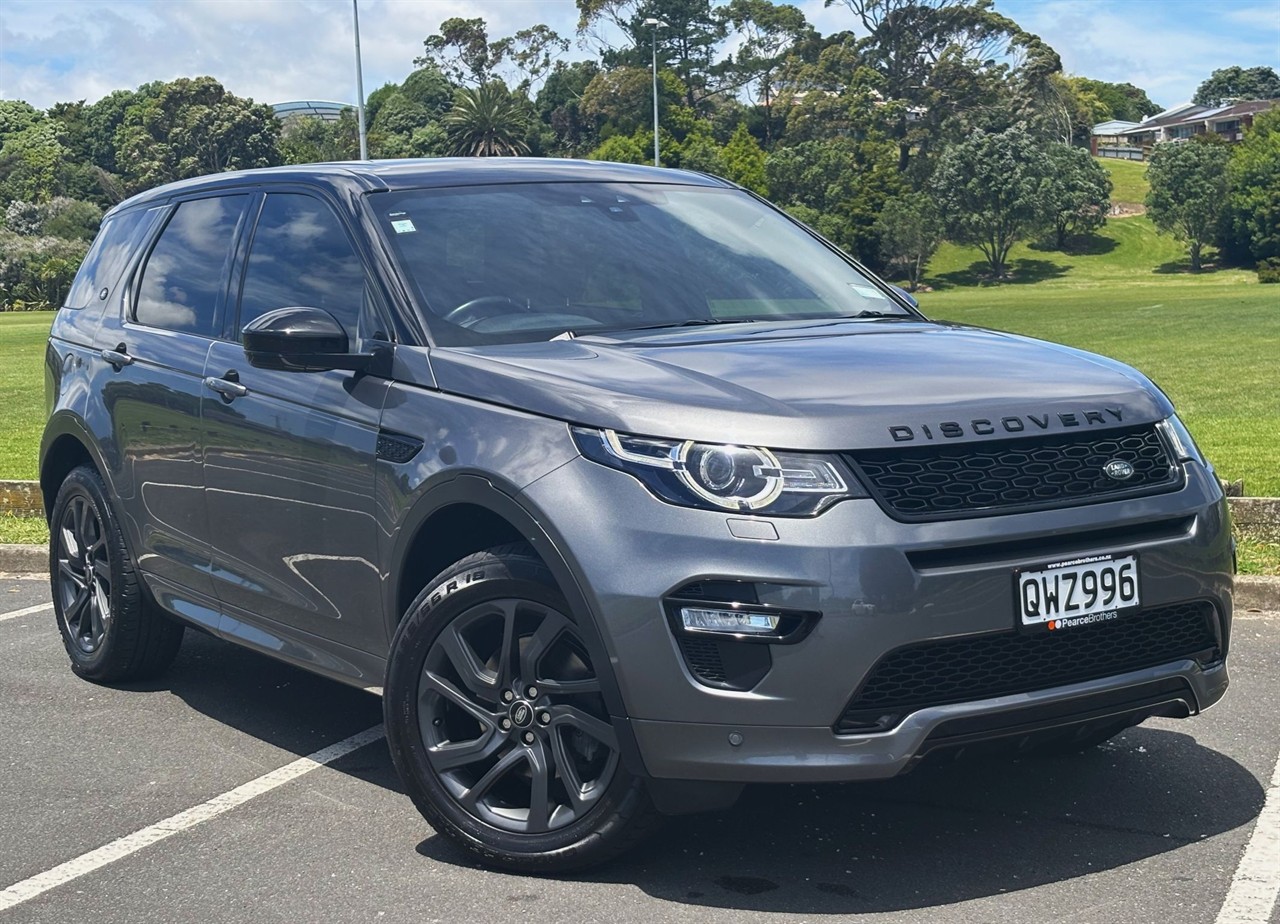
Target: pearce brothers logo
point(1014, 423)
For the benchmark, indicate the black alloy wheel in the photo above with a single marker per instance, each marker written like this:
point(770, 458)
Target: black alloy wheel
point(497, 724)
point(83, 579)
point(111, 629)
point(512, 719)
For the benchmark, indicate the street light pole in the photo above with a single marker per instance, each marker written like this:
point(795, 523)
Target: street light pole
point(364, 141)
point(655, 23)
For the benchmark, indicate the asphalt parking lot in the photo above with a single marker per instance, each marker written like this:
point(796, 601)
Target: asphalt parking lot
point(1154, 826)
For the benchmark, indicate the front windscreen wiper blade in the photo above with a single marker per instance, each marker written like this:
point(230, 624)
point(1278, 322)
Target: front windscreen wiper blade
point(693, 322)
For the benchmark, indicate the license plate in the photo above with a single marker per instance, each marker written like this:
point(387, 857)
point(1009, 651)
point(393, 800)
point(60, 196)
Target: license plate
point(1080, 592)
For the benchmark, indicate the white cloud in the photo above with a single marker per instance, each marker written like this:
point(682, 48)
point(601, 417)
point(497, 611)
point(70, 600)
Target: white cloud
point(276, 50)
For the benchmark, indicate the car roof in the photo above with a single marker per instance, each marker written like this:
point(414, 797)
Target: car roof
point(383, 175)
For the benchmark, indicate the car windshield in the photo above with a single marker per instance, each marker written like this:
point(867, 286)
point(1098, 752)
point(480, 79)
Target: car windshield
point(525, 262)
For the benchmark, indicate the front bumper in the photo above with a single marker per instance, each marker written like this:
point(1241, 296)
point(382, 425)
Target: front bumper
point(880, 585)
point(770, 754)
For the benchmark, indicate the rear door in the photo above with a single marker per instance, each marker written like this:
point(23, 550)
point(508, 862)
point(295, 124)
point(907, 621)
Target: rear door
point(289, 456)
point(153, 355)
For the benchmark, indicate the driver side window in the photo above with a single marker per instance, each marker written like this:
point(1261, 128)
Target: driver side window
point(301, 256)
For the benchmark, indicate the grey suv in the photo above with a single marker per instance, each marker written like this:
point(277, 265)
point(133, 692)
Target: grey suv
point(621, 487)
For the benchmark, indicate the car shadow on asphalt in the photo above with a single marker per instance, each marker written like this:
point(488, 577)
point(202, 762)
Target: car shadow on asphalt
point(950, 831)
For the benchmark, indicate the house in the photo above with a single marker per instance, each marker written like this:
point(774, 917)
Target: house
point(1134, 141)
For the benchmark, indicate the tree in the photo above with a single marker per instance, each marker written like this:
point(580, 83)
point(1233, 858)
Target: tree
point(430, 89)
point(909, 234)
point(559, 104)
point(936, 58)
point(620, 150)
point(768, 31)
point(989, 192)
point(1077, 192)
point(462, 51)
point(1229, 83)
point(1254, 176)
point(533, 52)
point(486, 122)
point(1188, 190)
point(743, 160)
point(1123, 101)
point(700, 152)
point(839, 186)
point(687, 44)
point(32, 163)
point(308, 140)
point(193, 127)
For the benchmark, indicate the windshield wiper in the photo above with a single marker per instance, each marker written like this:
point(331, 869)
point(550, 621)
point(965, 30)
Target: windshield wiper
point(693, 322)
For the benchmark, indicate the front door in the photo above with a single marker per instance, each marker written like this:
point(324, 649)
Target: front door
point(289, 456)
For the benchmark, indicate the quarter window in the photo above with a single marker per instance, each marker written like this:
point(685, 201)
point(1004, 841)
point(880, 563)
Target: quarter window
point(186, 273)
point(301, 256)
point(106, 259)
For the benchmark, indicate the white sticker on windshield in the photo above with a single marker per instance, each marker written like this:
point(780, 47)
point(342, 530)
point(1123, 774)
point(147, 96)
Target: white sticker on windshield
point(403, 225)
point(867, 291)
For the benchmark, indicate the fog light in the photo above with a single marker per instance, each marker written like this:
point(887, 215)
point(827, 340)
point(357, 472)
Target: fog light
point(730, 621)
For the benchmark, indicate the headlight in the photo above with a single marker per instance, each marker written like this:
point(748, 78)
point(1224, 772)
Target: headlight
point(747, 479)
point(1180, 439)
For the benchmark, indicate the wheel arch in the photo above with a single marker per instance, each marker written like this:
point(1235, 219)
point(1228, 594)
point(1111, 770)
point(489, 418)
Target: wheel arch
point(65, 446)
point(493, 517)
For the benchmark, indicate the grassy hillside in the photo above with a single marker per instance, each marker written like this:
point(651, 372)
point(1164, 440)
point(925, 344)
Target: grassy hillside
point(1128, 180)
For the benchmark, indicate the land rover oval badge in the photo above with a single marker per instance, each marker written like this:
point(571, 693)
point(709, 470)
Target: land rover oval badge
point(1118, 469)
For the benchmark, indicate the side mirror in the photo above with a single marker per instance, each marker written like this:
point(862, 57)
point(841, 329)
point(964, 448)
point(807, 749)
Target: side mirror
point(300, 340)
point(911, 299)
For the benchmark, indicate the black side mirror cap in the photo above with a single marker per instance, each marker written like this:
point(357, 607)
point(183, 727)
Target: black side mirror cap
point(301, 339)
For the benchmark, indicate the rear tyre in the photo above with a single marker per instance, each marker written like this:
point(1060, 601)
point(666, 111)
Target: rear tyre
point(111, 631)
point(497, 725)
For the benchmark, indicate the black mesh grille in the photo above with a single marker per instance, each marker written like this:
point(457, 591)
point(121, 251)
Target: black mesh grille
point(933, 482)
point(979, 667)
point(703, 657)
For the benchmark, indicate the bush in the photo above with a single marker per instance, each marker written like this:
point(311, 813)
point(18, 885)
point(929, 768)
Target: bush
point(36, 270)
point(1269, 270)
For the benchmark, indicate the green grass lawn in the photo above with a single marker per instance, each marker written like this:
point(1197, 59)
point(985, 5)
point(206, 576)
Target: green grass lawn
point(1128, 180)
point(23, 335)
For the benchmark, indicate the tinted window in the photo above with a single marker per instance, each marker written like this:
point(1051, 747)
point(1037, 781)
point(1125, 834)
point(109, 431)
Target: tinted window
point(106, 259)
point(301, 256)
point(530, 261)
point(186, 272)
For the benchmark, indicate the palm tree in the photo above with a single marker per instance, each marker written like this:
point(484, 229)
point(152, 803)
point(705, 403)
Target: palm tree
point(486, 122)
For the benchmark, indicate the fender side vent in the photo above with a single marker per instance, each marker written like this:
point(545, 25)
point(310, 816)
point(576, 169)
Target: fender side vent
point(396, 447)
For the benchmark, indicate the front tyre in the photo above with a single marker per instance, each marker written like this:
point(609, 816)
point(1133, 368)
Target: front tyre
point(111, 631)
point(497, 725)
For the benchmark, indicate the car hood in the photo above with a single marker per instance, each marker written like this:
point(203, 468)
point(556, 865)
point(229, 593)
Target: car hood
point(809, 385)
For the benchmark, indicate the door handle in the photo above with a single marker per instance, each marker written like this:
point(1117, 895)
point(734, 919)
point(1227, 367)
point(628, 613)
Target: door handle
point(118, 358)
point(228, 386)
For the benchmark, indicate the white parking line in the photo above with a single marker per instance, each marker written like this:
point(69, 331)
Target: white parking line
point(63, 873)
point(29, 611)
point(1256, 884)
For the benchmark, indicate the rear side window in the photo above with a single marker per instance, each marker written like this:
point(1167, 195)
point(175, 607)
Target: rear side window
point(301, 256)
point(106, 259)
point(186, 273)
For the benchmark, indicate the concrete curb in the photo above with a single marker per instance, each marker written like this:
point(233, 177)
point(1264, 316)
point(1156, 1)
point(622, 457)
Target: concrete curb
point(24, 559)
point(1253, 592)
point(1256, 592)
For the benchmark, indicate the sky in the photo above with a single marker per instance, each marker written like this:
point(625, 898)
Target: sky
point(277, 50)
